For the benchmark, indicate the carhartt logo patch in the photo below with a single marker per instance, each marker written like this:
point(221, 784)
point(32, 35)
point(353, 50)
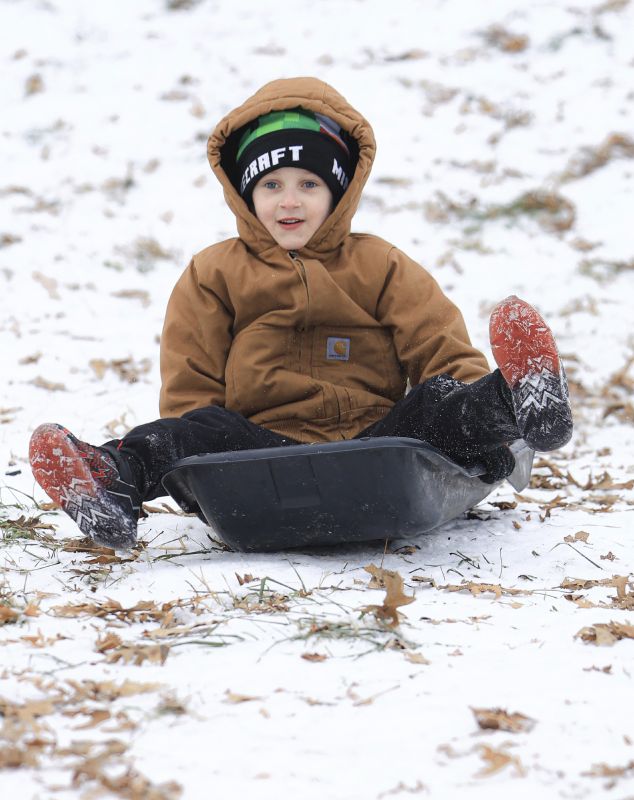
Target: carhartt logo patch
point(337, 349)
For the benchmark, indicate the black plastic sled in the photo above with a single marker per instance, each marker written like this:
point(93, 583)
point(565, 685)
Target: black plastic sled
point(325, 494)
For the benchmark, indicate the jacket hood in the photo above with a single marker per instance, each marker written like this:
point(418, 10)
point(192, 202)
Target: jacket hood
point(279, 95)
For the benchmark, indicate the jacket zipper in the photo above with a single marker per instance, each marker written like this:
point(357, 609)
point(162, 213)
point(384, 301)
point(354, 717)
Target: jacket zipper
point(302, 273)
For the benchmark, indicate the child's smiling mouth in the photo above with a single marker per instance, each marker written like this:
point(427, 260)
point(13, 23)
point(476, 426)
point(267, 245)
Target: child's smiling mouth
point(290, 222)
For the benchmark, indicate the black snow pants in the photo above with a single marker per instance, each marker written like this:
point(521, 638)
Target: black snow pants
point(470, 423)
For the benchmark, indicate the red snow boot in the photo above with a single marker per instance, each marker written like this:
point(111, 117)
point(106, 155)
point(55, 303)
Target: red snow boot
point(525, 351)
point(85, 481)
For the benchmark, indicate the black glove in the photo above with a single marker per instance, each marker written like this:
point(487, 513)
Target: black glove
point(499, 462)
point(466, 422)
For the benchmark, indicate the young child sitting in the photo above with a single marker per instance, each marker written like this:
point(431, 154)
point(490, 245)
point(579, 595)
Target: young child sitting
point(300, 331)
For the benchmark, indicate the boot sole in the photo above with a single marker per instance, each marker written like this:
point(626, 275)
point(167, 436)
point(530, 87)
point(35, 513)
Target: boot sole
point(63, 473)
point(526, 354)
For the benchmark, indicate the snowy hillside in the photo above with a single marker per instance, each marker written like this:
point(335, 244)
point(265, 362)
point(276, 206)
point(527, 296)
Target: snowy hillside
point(505, 165)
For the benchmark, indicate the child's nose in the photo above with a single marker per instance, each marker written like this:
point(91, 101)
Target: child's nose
point(289, 199)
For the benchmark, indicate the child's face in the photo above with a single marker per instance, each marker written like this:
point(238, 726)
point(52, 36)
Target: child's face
point(291, 203)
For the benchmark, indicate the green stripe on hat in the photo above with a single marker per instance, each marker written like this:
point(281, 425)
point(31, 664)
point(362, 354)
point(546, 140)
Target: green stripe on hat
point(278, 121)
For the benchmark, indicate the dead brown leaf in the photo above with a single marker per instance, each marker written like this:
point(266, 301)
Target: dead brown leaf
point(273, 602)
point(7, 239)
point(96, 718)
point(556, 502)
point(504, 40)
point(130, 784)
point(580, 600)
point(233, 697)
point(51, 386)
point(477, 589)
point(393, 584)
point(497, 760)
point(176, 630)
point(41, 641)
point(580, 536)
point(48, 284)
point(605, 634)
point(522, 498)
point(143, 611)
point(312, 701)
point(499, 719)
point(606, 481)
point(15, 756)
point(34, 84)
point(8, 614)
point(127, 369)
point(573, 584)
point(606, 771)
point(101, 691)
point(504, 505)
point(402, 788)
point(137, 654)
point(546, 463)
point(314, 657)
point(109, 641)
point(416, 658)
point(424, 579)
point(134, 294)
point(606, 501)
point(28, 525)
point(623, 599)
point(100, 555)
point(29, 710)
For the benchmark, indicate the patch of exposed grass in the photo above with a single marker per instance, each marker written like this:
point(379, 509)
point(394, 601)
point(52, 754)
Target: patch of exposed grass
point(604, 270)
point(590, 159)
point(552, 211)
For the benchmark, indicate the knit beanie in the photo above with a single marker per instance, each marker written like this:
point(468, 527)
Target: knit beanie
point(296, 138)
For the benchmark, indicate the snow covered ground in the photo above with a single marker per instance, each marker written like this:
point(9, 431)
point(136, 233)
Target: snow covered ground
point(505, 165)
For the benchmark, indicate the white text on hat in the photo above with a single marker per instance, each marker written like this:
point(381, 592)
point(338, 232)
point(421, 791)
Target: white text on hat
point(266, 160)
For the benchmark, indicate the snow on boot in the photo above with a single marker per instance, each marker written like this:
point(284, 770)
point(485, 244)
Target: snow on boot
point(525, 351)
point(85, 482)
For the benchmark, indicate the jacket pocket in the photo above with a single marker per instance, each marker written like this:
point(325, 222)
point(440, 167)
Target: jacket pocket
point(263, 371)
point(361, 359)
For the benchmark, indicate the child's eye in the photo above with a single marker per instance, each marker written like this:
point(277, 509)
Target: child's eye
point(270, 184)
point(310, 184)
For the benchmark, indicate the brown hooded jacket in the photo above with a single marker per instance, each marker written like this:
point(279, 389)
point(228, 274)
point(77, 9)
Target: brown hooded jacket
point(315, 344)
